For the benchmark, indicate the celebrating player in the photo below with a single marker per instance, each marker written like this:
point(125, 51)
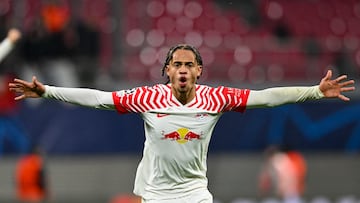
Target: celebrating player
point(179, 118)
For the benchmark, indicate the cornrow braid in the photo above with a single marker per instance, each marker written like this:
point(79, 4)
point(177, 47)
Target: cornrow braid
point(171, 51)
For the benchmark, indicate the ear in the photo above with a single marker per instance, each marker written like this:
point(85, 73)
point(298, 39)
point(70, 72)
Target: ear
point(167, 70)
point(200, 69)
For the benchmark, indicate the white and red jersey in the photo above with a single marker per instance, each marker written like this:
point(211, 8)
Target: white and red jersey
point(177, 135)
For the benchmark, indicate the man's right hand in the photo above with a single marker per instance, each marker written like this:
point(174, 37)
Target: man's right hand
point(33, 89)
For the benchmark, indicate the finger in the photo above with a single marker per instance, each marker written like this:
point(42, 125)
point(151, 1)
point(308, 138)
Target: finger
point(15, 85)
point(342, 97)
point(20, 97)
point(34, 79)
point(347, 89)
point(37, 83)
point(328, 75)
point(18, 91)
point(12, 89)
point(12, 85)
point(23, 82)
point(347, 83)
point(342, 77)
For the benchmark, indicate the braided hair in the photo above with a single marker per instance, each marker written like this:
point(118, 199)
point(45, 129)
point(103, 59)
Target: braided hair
point(171, 51)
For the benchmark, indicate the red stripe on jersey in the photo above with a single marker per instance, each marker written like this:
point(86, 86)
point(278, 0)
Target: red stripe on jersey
point(162, 95)
point(196, 100)
point(149, 95)
point(156, 97)
point(170, 97)
point(126, 104)
point(209, 99)
point(214, 97)
point(236, 99)
point(204, 98)
point(221, 99)
point(130, 101)
point(142, 99)
point(217, 100)
point(167, 95)
point(244, 97)
point(117, 104)
point(196, 96)
point(139, 99)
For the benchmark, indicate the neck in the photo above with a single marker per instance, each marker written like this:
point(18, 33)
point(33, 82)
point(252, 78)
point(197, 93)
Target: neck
point(184, 97)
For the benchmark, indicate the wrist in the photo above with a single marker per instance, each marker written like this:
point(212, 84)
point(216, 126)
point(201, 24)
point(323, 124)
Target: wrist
point(46, 93)
point(317, 92)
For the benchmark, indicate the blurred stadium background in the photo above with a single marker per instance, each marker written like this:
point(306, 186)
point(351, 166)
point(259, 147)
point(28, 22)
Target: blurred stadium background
point(92, 155)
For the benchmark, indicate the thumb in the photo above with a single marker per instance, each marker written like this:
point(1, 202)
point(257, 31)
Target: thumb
point(38, 87)
point(34, 80)
point(328, 75)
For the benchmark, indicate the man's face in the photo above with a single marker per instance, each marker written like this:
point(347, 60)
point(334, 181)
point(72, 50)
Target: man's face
point(183, 70)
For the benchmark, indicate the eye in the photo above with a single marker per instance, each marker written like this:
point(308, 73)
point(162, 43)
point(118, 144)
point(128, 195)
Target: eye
point(177, 64)
point(189, 65)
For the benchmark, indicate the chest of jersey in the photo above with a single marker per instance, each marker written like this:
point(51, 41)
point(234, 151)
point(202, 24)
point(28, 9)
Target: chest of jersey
point(179, 136)
point(180, 127)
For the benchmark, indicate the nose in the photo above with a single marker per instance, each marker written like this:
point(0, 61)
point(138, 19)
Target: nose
point(183, 69)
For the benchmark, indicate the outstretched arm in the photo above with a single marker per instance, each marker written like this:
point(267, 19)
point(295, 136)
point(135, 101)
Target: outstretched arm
point(80, 96)
point(328, 88)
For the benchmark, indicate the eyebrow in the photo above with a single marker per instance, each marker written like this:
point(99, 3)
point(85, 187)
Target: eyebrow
point(186, 63)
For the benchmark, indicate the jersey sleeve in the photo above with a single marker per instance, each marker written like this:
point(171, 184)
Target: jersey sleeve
point(80, 96)
point(276, 96)
point(236, 99)
point(124, 100)
point(137, 100)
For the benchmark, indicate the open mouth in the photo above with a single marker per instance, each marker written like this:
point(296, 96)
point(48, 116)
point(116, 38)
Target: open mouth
point(182, 81)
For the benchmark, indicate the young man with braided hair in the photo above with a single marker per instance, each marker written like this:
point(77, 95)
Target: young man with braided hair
point(179, 118)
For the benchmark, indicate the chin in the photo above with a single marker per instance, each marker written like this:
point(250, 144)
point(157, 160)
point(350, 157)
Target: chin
point(183, 89)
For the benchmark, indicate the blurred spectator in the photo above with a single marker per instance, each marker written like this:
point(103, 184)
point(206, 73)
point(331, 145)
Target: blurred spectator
point(7, 103)
point(343, 63)
point(44, 47)
point(283, 175)
point(31, 185)
point(34, 46)
point(313, 51)
point(12, 136)
point(56, 15)
point(83, 38)
point(248, 9)
point(10, 129)
point(282, 32)
point(9, 42)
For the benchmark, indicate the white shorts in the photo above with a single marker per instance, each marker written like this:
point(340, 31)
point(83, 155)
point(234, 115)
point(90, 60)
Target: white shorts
point(196, 197)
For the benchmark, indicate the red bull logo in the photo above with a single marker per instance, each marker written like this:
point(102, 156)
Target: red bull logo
point(182, 135)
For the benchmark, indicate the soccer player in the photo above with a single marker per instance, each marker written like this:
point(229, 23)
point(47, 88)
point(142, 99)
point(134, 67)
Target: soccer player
point(179, 118)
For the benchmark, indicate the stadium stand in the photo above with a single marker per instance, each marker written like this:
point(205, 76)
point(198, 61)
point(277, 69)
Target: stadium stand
point(229, 39)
